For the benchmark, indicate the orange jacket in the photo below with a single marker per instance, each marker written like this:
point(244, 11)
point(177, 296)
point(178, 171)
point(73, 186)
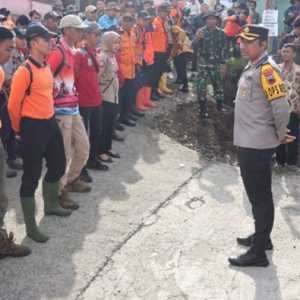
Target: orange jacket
point(39, 104)
point(140, 42)
point(176, 16)
point(128, 54)
point(144, 46)
point(159, 36)
point(149, 51)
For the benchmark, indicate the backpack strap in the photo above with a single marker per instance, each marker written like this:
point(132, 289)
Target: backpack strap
point(62, 63)
point(29, 69)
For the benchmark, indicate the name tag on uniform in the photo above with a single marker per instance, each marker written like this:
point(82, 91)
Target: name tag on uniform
point(272, 83)
point(90, 63)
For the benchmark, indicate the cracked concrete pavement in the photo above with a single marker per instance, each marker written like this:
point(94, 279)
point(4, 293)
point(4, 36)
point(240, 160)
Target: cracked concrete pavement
point(160, 225)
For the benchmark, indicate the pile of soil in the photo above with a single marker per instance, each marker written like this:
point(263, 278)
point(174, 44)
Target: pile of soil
point(211, 137)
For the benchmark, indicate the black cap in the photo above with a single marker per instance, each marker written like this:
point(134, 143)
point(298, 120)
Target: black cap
point(128, 18)
point(4, 11)
point(23, 20)
point(5, 33)
point(211, 13)
point(3, 18)
point(144, 15)
point(39, 30)
point(165, 6)
point(19, 34)
point(253, 32)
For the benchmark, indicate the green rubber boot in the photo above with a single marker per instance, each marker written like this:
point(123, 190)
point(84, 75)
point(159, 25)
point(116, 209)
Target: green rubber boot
point(28, 206)
point(51, 206)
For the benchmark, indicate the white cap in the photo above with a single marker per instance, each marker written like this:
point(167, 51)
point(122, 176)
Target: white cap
point(71, 21)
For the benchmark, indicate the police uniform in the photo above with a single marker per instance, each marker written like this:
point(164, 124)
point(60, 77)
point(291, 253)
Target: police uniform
point(261, 118)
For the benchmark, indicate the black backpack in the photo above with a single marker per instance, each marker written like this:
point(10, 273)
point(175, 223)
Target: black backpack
point(55, 73)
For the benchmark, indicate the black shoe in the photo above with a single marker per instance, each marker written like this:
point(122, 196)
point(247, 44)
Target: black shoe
point(133, 118)
point(138, 113)
point(119, 127)
point(96, 165)
point(113, 154)
point(85, 176)
point(248, 242)
point(249, 259)
point(14, 164)
point(11, 174)
point(183, 89)
point(117, 137)
point(128, 122)
point(107, 161)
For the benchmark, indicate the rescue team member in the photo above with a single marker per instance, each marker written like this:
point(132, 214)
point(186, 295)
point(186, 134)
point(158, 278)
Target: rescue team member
point(160, 47)
point(76, 142)
point(127, 67)
point(146, 61)
point(261, 118)
point(31, 112)
point(7, 245)
point(180, 52)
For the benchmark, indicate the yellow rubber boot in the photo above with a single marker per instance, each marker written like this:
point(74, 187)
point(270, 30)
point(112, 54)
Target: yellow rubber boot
point(164, 86)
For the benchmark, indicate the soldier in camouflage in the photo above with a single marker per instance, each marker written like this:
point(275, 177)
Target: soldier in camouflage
point(212, 55)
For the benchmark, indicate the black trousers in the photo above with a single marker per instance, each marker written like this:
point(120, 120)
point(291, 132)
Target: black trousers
point(109, 112)
point(40, 139)
point(180, 63)
point(7, 134)
point(288, 154)
point(256, 172)
point(160, 62)
point(127, 97)
point(93, 122)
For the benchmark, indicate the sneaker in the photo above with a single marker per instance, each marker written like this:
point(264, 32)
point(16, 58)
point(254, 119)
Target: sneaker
point(79, 186)
point(8, 248)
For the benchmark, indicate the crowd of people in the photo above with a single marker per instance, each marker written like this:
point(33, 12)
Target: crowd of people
point(71, 81)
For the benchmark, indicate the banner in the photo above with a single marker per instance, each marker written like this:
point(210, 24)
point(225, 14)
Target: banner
point(270, 21)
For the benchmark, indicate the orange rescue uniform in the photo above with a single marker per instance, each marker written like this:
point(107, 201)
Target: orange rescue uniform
point(39, 103)
point(159, 35)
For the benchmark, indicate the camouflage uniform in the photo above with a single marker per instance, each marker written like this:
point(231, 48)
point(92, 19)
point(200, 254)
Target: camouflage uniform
point(212, 54)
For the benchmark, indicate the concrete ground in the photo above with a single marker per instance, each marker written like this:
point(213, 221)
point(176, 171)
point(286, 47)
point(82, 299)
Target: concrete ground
point(159, 226)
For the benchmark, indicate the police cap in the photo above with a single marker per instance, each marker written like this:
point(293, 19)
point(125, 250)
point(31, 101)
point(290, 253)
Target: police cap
point(253, 32)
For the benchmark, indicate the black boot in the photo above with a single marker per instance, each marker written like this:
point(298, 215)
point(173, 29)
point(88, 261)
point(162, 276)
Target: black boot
point(250, 259)
point(248, 242)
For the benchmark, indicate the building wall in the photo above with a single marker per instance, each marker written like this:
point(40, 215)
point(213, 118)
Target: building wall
point(24, 6)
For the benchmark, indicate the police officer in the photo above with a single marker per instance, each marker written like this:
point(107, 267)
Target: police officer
point(261, 118)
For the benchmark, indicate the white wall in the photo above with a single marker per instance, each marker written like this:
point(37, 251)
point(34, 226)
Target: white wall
point(24, 6)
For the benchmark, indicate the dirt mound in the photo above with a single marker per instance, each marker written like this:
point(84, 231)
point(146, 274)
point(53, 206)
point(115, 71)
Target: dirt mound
point(211, 137)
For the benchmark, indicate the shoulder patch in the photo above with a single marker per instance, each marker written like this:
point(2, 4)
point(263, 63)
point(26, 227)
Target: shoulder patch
point(272, 83)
